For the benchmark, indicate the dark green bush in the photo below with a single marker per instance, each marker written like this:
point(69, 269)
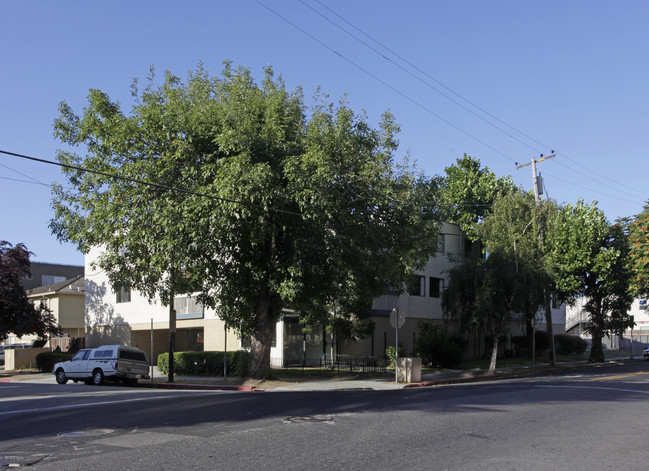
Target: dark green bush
point(205, 363)
point(45, 361)
point(541, 340)
point(436, 348)
point(569, 344)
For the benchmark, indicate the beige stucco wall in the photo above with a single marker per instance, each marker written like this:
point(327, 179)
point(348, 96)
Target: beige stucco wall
point(71, 311)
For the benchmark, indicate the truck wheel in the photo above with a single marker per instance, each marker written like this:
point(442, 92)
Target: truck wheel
point(60, 376)
point(97, 377)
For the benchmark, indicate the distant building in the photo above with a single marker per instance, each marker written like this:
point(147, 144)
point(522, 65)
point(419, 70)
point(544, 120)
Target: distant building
point(43, 274)
point(66, 300)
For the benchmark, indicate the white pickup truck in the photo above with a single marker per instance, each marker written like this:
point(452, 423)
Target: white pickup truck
point(109, 362)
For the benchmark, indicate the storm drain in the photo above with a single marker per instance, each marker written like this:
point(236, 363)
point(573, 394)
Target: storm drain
point(308, 419)
point(85, 433)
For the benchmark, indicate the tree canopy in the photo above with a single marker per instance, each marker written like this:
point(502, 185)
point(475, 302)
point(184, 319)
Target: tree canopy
point(639, 256)
point(591, 259)
point(469, 191)
point(484, 292)
point(18, 315)
point(285, 207)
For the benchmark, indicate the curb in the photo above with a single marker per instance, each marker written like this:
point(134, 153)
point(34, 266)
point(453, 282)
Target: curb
point(205, 387)
point(475, 379)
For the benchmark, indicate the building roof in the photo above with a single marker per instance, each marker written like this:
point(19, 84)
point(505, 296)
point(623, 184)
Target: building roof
point(71, 286)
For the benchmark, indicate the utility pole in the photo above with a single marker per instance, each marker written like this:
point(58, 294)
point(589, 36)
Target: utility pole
point(538, 190)
point(537, 179)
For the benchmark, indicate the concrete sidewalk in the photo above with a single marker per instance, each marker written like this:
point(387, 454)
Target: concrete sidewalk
point(317, 383)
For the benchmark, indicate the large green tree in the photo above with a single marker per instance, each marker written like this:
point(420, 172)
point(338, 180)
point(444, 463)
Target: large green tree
point(18, 315)
point(591, 259)
point(518, 224)
point(483, 293)
point(638, 230)
point(288, 207)
point(469, 191)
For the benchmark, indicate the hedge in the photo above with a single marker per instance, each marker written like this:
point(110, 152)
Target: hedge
point(570, 344)
point(45, 361)
point(205, 363)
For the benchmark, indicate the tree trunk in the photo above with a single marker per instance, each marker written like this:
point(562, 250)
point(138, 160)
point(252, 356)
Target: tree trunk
point(596, 350)
point(494, 356)
point(262, 338)
point(596, 331)
point(549, 329)
point(529, 336)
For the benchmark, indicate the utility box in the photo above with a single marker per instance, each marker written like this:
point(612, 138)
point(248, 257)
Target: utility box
point(409, 370)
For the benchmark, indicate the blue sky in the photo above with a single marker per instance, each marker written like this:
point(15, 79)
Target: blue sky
point(568, 76)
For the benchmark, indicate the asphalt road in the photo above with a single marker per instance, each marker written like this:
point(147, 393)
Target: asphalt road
point(594, 419)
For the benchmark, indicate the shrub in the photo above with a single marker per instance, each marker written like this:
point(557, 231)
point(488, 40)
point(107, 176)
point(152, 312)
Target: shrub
point(541, 341)
point(45, 361)
point(391, 353)
point(570, 344)
point(205, 363)
point(436, 348)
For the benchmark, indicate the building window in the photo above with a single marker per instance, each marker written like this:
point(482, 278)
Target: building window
point(416, 285)
point(442, 244)
point(123, 295)
point(436, 287)
point(188, 308)
point(51, 279)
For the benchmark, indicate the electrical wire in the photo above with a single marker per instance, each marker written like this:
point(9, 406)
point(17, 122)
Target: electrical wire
point(419, 78)
point(142, 182)
point(23, 174)
point(607, 181)
point(384, 83)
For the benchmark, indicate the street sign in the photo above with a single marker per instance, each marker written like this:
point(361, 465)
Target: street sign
point(397, 317)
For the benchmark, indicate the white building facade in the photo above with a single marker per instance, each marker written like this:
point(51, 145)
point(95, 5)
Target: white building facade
point(129, 318)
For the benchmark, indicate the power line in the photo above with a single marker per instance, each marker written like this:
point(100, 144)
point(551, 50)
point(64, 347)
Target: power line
point(151, 184)
point(19, 180)
point(572, 183)
point(24, 175)
point(384, 83)
point(621, 187)
point(419, 78)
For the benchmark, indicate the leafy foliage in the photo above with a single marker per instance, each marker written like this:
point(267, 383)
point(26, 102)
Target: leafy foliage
point(45, 361)
point(391, 353)
point(591, 258)
point(18, 315)
point(283, 211)
point(436, 348)
point(468, 192)
point(639, 254)
point(484, 292)
point(517, 224)
point(205, 363)
point(570, 344)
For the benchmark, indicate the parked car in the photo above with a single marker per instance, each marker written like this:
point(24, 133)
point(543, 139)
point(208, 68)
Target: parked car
point(109, 362)
point(2, 354)
point(645, 353)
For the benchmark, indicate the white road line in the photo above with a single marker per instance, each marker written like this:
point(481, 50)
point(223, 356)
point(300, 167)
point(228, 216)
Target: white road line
point(594, 387)
point(102, 403)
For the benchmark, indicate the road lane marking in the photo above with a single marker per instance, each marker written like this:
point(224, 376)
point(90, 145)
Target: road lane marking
point(594, 388)
point(627, 375)
point(91, 404)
